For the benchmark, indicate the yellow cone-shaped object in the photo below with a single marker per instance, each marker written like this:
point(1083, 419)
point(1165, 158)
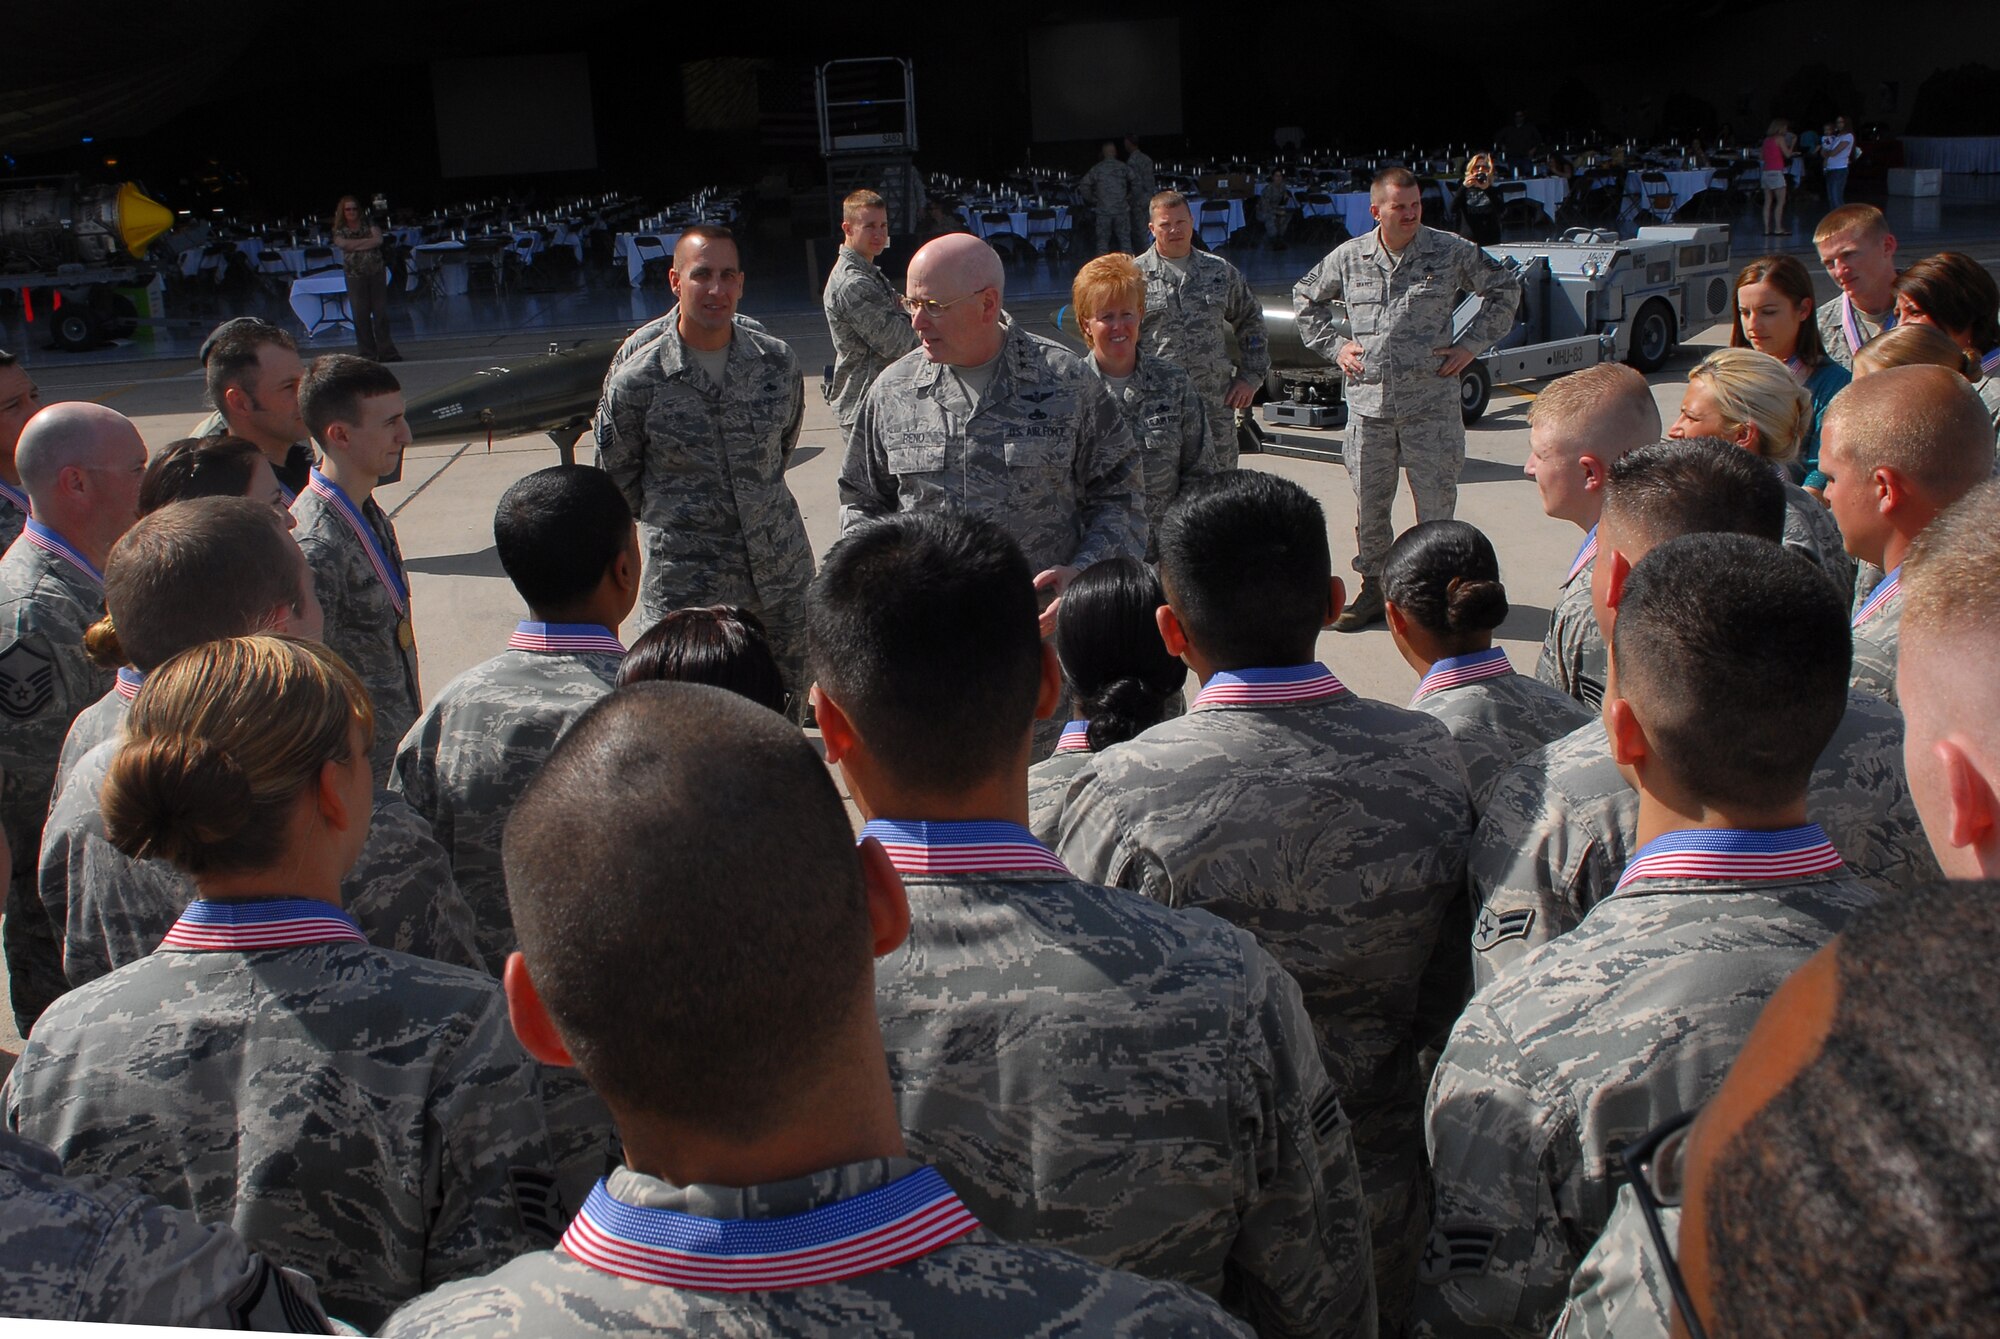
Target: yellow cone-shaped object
point(140, 219)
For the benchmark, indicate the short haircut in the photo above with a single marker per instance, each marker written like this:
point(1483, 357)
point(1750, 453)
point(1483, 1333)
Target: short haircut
point(706, 232)
point(647, 839)
point(198, 467)
point(1957, 293)
point(923, 628)
point(232, 350)
point(1755, 388)
point(1391, 179)
point(1914, 345)
point(1789, 277)
point(722, 645)
point(1445, 575)
point(1110, 278)
point(1119, 672)
point(1695, 486)
point(1167, 200)
point(1734, 655)
point(195, 572)
point(1862, 220)
point(1864, 1199)
point(219, 745)
point(334, 386)
point(1951, 574)
point(558, 531)
point(857, 201)
point(1610, 403)
point(1926, 423)
point(1245, 562)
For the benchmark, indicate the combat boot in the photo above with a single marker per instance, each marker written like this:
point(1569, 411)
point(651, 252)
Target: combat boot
point(1365, 611)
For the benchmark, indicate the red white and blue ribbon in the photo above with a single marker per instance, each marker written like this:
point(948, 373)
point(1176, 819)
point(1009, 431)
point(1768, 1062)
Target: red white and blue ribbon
point(917, 847)
point(392, 580)
point(1797, 366)
point(1990, 362)
point(889, 1226)
point(1585, 555)
point(565, 638)
point(1457, 671)
point(50, 542)
point(1734, 854)
point(266, 923)
point(130, 681)
point(1075, 738)
point(14, 497)
point(1850, 324)
point(1891, 586)
point(1269, 687)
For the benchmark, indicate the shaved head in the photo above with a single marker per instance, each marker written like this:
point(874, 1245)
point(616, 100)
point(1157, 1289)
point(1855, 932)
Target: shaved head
point(960, 262)
point(1926, 423)
point(72, 434)
point(1603, 411)
point(961, 286)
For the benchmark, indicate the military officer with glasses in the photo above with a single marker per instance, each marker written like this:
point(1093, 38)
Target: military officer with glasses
point(987, 418)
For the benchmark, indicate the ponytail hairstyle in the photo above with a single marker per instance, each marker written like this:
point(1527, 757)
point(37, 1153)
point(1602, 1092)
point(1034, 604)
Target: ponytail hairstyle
point(1444, 575)
point(219, 745)
point(1914, 345)
point(1108, 639)
point(723, 645)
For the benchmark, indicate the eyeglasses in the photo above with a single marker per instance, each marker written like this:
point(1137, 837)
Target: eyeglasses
point(1653, 1166)
point(931, 306)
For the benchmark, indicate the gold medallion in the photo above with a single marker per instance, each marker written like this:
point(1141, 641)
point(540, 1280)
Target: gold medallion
point(406, 634)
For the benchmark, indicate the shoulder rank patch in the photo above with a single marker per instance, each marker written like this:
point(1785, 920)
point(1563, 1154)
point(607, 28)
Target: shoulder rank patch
point(1498, 929)
point(27, 681)
point(1456, 1248)
point(539, 1202)
point(1326, 1113)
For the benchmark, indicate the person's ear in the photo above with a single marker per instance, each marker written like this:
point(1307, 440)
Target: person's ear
point(1171, 632)
point(530, 1016)
point(888, 903)
point(1975, 810)
point(1336, 600)
point(1593, 473)
point(674, 280)
point(1399, 622)
point(836, 732)
point(1049, 695)
point(1892, 490)
point(331, 797)
point(623, 574)
point(336, 437)
point(234, 400)
point(1619, 570)
point(1629, 746)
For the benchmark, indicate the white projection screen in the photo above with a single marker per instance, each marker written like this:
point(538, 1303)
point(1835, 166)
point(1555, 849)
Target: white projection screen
point(507, 115)
point(1101, 80)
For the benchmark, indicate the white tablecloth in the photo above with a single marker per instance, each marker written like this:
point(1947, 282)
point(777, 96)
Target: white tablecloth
point(320, 301)
point(1017, 219)
point(1685, 185)
point(636, 248)
point(1953, 153)
point(448, 259)
point(1236, 218)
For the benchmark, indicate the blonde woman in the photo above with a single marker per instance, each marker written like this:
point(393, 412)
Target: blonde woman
point(1914, 345)
point(361, 1114)
point(1479, 204)
point(359, 242)
point(1754, 401)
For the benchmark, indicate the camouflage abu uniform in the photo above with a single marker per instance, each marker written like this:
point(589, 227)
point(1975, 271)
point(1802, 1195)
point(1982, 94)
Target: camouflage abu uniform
point(49, 595)
point(115, 910)
point(99, 721)
point(1813, 534)
point(955, 1280)
point(869, 331)
point(1620, 1291)
point(84, 1249)
point(1494, 714)
point(1045, 455)
point(1166, 419)
point(1561, 823)
point(1193, 306)
point(1334, 829)
point(1145, 185)
point(1136, 1085)
point(1574, 659)
point(13, 514)
point(1049, 781)
point(703, 467)
point(337, 1104)
point(1878, 625)
point(1107, 189)
point(362, 619)
point(1629, 1019)
point(1400, 412)
point(1843, 329)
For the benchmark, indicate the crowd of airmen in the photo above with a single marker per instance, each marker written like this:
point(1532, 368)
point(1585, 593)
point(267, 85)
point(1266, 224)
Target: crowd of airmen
point(569, 1003)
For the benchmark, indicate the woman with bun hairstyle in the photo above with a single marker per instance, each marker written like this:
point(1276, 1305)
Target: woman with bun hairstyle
point(359, 1113)
point(1442, 584)
point(1959, 296)
point(1914, 345)
point(723, 645)
point(1119, 676)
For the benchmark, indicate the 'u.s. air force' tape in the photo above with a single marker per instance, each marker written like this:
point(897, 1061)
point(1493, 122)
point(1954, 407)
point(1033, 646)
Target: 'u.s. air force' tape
point(1497, 928)
point(1456, 1248)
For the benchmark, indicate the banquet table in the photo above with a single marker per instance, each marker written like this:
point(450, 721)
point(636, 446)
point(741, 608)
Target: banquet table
point(320, 302)
point(636, 248)
point(448, 260)
point(1686, 185)
point(1017, 219)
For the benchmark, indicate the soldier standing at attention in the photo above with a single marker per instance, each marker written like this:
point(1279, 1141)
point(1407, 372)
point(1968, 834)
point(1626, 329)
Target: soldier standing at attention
point(1285, 805)
point(1725, 687)
point(1401, 284)
point(266, 1066)
point(1194, 301)
point(868, 326)
point(20, 398)
point(1107, 189)
point(1578, 428)
point(80, 465)
point(696, 429)
point(1092, 1071)
point(354, 410)
point(1859, 252)
point(1144, 184)
point(251, 371)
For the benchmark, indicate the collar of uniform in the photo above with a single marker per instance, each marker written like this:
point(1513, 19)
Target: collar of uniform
point(676, 359)
point(981, 847)
point(1586, 554)
point(1268, 687)
point(1013, 347)
point(49, 542)
point(1733, 854)
point(1457, 671)
point(260, 923)
point(1075, 738)
point(834, 1225)
point(1891, 586)
point(564, 638)
point(13, 497)
point(130, 681)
